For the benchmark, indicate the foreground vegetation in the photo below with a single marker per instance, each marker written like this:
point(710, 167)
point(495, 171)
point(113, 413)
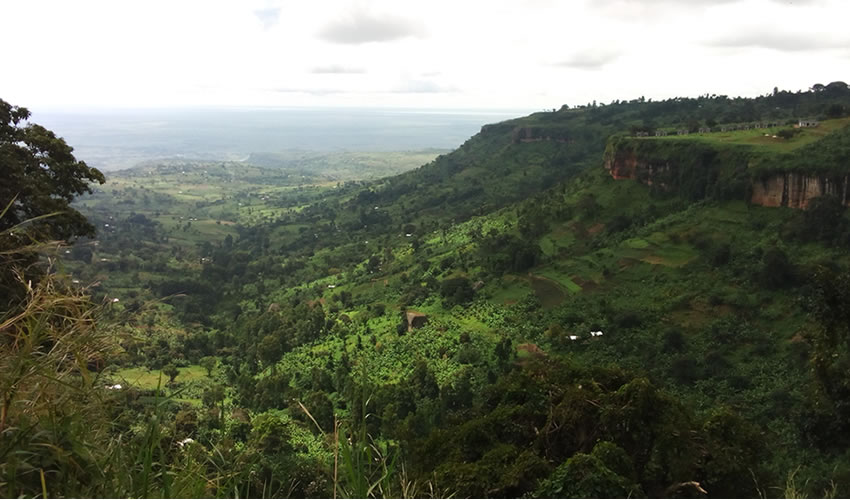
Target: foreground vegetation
point(507, 320)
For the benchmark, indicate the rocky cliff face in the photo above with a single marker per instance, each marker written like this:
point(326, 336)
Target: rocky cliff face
point(627, 165)
point(782, 189)
point(795, 190)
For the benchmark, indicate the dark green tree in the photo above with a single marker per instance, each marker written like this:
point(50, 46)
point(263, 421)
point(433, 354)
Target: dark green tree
point(831, 340)
point(40, 177)
point(208, 363)
point(823, 219)
point(270, 351)
point(172, 372)
point(586, 476)
point(457, 290)
point(776, 270)
point(422, 381)
point(731, 453)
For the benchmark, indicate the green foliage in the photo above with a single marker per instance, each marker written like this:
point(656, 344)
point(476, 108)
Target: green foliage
point(823, 221)
point(42, 176)
point(831, 342)
point(502, 252)
point(586, 476)
point(776, 270)
point(695, 291)
point(52, 421)
point(733, 448)
point(208, 363)
point(40, 179)
point(270, 434)
point(692, 169)
point(457, 290)
point(822, 157)
point(171, 371)
point(788, 133)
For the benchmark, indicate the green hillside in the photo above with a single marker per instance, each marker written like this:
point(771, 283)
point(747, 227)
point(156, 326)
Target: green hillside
point(507, 320)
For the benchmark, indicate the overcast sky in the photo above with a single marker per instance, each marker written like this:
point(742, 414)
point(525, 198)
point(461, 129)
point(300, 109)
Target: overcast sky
point(517, 54)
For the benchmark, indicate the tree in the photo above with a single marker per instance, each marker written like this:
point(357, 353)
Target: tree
point(212, 396)
point(172, 372)
point(208, 363)
point(835, 111)
point(788, 133)
point(588, 207)
point(730, 455)
point(586, 476)
point(271, 435)
point(457, 290)
point(830, 355)
point(776, 270)
point(270, 350)
point(824, 219)
point(837, 89)
point(42, 176)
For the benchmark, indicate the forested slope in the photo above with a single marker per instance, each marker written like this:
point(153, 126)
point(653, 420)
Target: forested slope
point(507, 320)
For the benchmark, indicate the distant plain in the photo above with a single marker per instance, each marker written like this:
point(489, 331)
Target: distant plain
point(120, 139)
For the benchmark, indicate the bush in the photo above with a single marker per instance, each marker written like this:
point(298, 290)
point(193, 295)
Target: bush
point(684, 370)
point(776, 270)
point(628, 319)
point(720, 255)
point(824, 220)
point(673, 340)
point(619, 223)
point(788, 133)
point(586, 476)
point(457, 290)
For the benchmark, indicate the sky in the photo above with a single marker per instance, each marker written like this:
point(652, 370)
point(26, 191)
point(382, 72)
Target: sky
point(458, 54)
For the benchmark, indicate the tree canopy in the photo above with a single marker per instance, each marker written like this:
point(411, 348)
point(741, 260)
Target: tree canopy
point(42, 176)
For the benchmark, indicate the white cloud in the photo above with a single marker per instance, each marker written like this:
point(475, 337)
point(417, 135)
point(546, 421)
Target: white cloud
point(361, 26)
point(418, 86)
point(337, 69)
point(591, 58)
point(497, 53)
point(767, 38)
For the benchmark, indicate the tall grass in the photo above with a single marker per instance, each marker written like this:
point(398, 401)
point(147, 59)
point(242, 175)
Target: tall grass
point(56, 437)
point(368, 468)
point(51, 423)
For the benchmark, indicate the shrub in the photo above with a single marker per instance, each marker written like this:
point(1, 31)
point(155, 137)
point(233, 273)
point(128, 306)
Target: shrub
point(788, 133)
point(684, 370)
point(586, 476)
point(628, 319)
point(673, 340)
point(776, 270)
point(457, 290)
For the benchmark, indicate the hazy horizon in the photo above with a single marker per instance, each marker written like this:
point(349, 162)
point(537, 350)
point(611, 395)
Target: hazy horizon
point(115, 139)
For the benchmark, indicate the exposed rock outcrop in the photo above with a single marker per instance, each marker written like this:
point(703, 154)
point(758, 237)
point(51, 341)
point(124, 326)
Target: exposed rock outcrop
point(627, 165)
point(669, 169)
point(790, 189)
